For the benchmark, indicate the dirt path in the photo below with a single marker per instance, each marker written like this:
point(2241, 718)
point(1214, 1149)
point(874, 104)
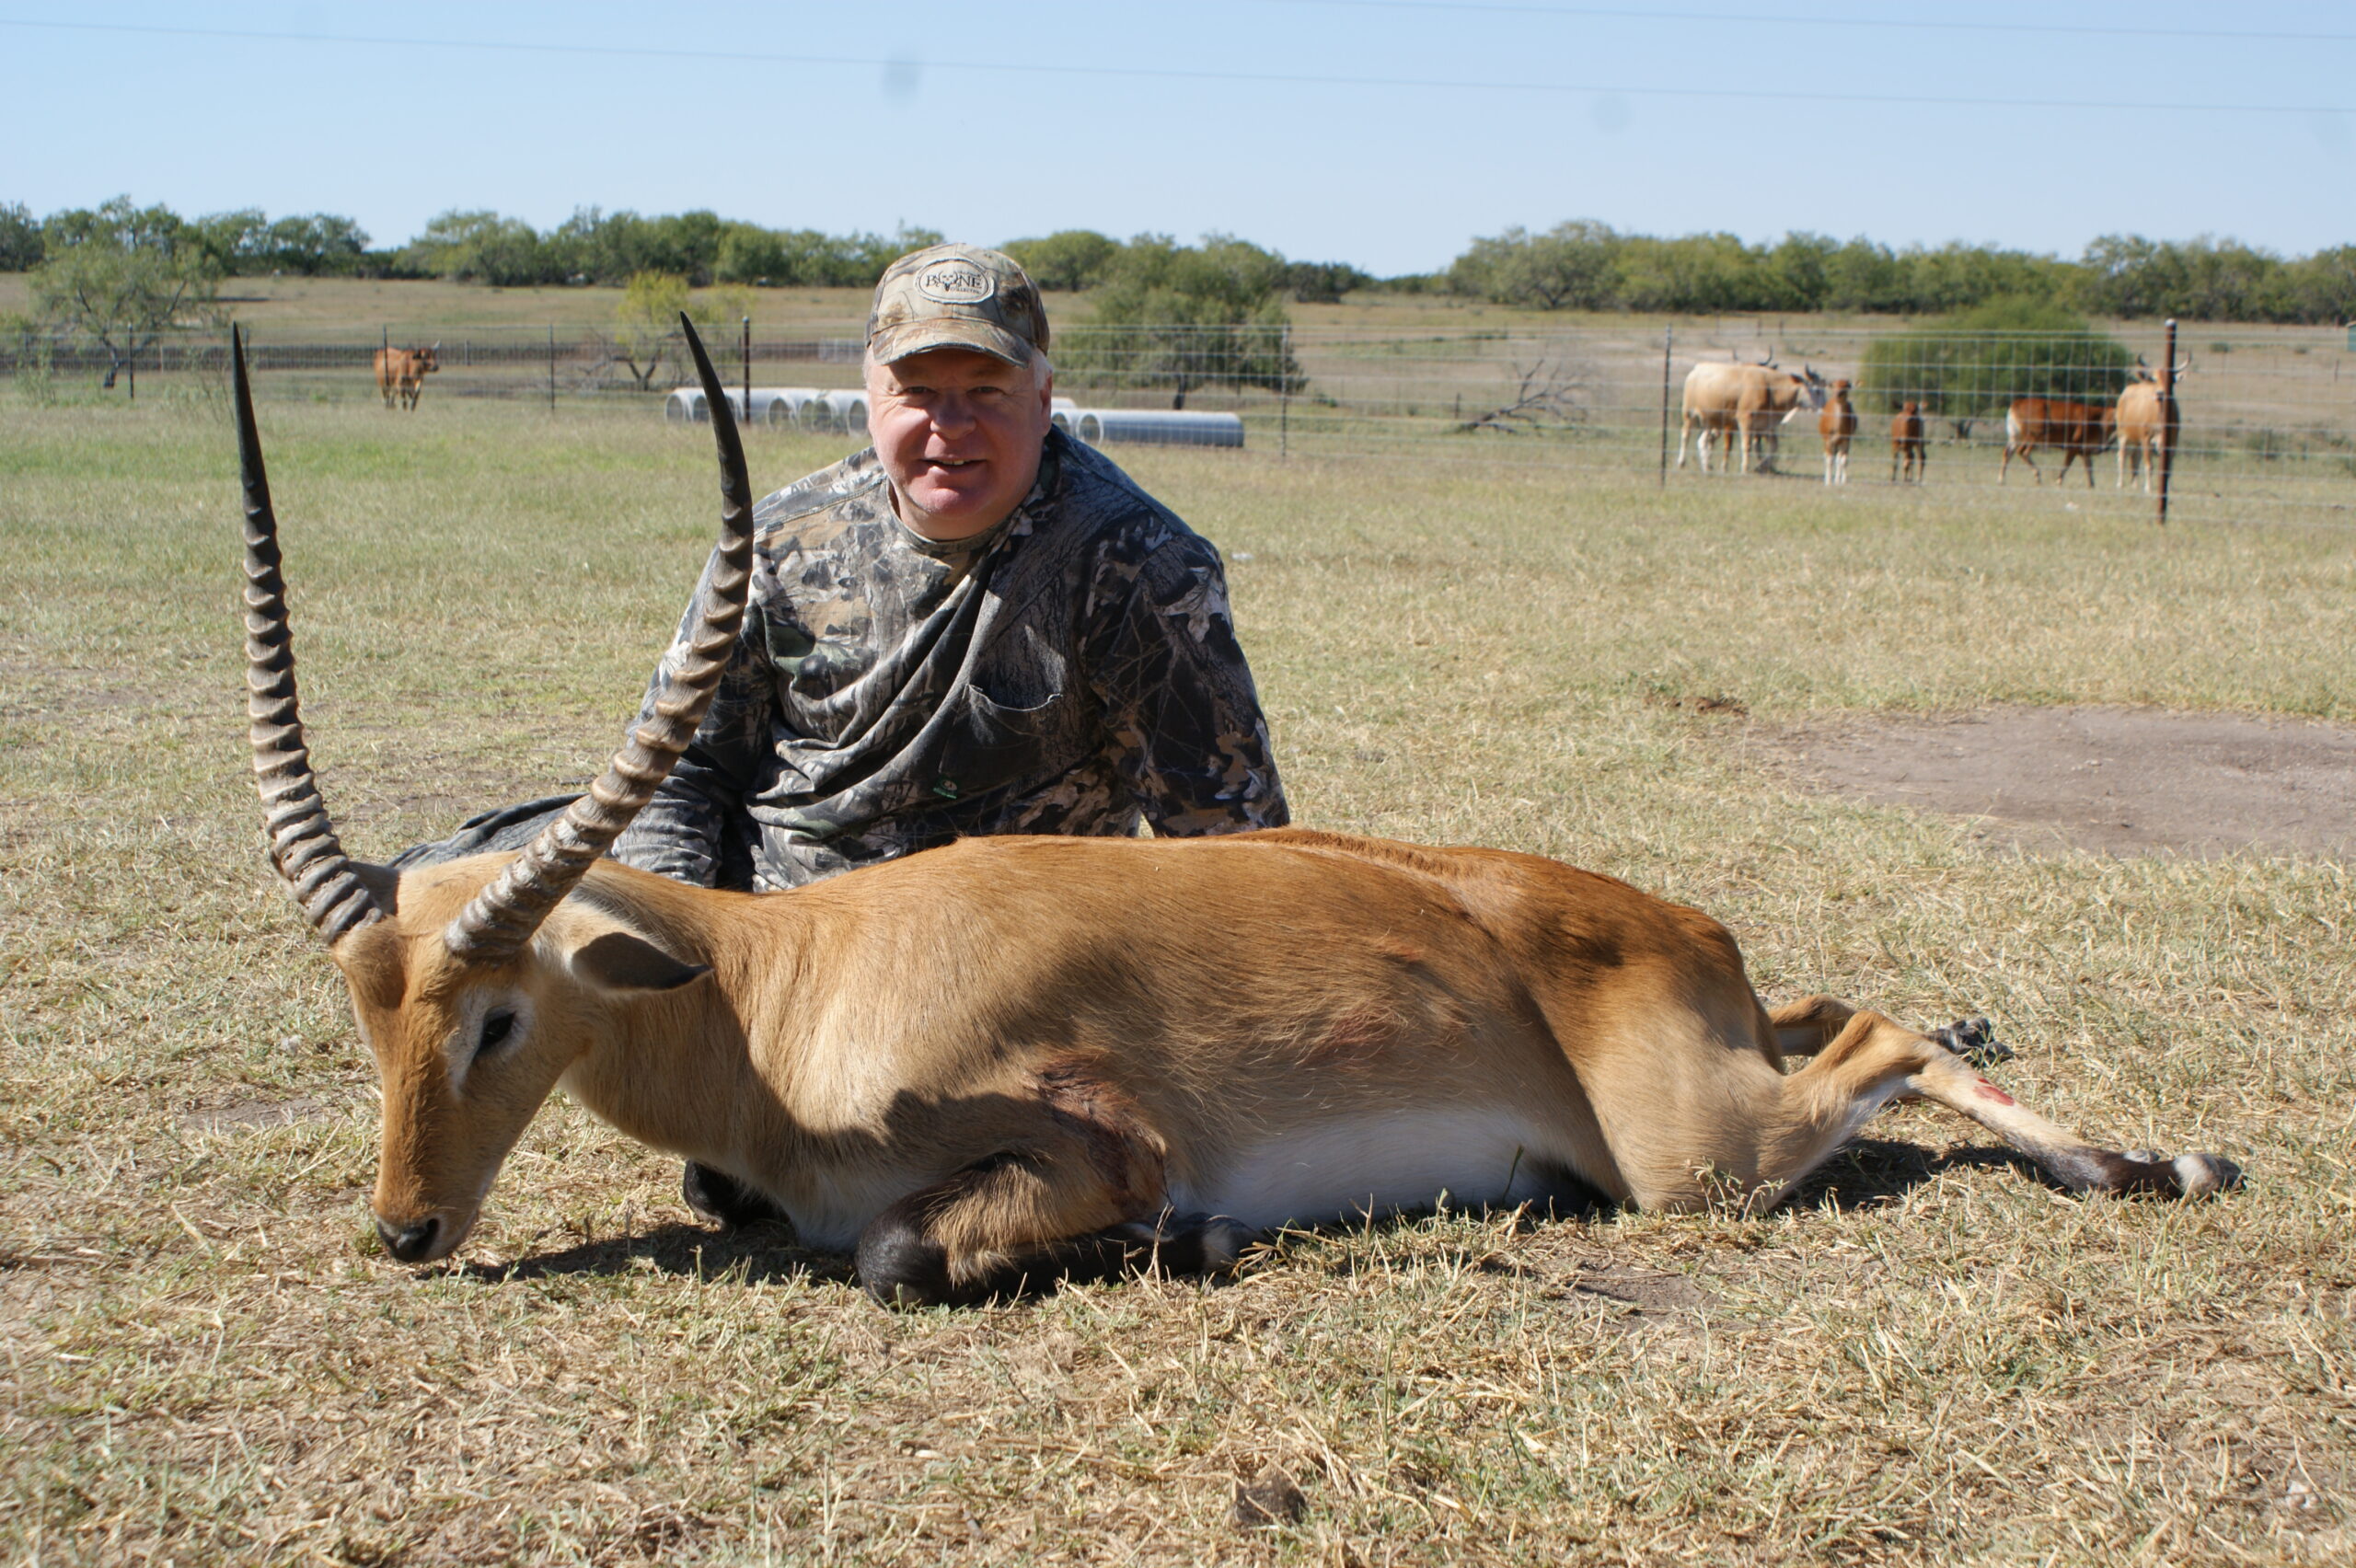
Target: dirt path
point(2129, 781)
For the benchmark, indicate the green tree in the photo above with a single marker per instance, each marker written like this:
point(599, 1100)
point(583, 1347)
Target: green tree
point(120, 277)
point(19, 238)
point(2322, 287)
point(315, 244)
point(1173, 318)
point(1570, 267)
point(232, 242)
point(1069, 260)
point(485, 248)
point(646, 335)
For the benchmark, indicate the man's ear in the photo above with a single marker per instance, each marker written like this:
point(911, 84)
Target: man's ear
point(620, 962)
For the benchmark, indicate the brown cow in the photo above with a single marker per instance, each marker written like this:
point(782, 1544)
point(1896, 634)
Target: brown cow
point(2147, 424)
point(2079, 429)
point(1907, 451)
point(401, 372)
point(1837, 425)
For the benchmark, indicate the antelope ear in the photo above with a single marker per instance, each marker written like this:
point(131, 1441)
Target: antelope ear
point(384, 885)
point(621, 962)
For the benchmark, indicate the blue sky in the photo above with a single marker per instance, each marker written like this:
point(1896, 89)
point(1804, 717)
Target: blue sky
point(1387, 132)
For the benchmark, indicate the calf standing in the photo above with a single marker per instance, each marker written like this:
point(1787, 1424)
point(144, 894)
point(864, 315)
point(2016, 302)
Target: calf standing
point(1838, 425)
point(1907, 456)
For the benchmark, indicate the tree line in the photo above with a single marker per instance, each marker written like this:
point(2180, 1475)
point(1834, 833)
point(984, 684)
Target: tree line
point(1584, 265)
point(1580, 265)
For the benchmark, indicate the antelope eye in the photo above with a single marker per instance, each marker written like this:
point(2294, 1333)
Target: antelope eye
point(497, 1026)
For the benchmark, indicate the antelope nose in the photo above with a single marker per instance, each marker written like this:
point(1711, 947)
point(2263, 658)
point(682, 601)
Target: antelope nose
point(412, 1242)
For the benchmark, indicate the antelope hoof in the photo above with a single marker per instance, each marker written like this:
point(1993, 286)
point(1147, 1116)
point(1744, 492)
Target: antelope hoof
point(1974, 1039)
point(2142, 1171)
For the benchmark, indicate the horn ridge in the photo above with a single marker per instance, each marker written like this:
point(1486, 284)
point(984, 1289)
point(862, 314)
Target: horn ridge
point(304, 848)
point(501, 918)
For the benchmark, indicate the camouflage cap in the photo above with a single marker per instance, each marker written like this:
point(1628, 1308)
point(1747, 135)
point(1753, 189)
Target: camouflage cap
point(956, 297)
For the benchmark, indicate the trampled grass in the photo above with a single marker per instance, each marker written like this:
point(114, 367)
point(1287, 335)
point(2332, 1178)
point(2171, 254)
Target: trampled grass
point(1929, 1356)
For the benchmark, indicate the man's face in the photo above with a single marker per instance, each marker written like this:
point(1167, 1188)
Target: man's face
point(958, 433)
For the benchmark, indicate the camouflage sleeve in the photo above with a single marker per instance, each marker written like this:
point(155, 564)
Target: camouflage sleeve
point(682, 831)
point(1187, 733)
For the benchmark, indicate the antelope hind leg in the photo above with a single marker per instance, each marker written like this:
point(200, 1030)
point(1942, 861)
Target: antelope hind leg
point(1873, 1061)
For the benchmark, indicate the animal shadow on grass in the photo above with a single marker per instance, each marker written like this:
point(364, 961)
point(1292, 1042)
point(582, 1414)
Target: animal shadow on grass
point(1876, 1173)
point(762, 1253)
point(1869, 1173)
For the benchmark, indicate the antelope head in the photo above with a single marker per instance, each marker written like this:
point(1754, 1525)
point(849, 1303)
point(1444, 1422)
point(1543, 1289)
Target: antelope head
point(473, 988)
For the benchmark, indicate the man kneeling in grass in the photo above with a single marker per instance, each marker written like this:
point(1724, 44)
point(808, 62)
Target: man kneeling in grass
point(976, 626)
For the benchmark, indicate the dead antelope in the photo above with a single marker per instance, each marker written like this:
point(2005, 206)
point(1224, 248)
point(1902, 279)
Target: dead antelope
point(1020, 1055)
point(1837, 425)
point(1907, 452)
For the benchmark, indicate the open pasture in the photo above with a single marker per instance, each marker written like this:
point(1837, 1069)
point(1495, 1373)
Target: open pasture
point(1929, 1355)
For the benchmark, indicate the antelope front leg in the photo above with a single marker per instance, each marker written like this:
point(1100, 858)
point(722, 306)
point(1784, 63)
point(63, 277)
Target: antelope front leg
point(1018, 1218)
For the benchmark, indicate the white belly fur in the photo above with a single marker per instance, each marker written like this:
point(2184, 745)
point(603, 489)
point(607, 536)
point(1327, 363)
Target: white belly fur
point(1374, 1164)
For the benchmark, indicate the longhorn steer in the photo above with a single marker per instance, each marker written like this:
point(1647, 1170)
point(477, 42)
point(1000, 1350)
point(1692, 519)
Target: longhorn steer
point(1746, 403)
point(1837, 426)
point(401, 372)
point(2079, 429)
point(2147, 423)
point(1023, 1054)
point(1909, 458)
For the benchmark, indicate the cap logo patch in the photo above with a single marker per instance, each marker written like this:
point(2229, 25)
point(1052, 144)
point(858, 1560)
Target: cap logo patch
point(956, 282)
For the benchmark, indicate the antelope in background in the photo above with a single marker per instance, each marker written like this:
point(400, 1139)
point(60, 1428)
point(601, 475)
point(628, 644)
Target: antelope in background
point(1907, 452)
point(2079, 429)
point(1744, 403)
point(401, 372)
point(2147, 421)
point(1837, 425)
point(1013, 1056)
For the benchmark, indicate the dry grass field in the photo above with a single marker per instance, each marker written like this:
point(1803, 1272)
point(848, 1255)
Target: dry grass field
point(1931, 1355)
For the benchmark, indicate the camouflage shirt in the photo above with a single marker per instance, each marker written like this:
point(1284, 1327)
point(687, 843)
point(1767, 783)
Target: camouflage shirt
point(1065, 672)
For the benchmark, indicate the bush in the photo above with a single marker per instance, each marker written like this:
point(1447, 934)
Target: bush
point(1177, 317)
point(1069, 261)
point(1973, 365)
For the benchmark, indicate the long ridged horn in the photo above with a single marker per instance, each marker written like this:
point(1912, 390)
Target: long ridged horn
point(303, 844)
point(501, 918)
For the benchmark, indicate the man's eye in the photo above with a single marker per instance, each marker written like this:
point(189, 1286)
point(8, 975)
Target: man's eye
point(496, 1028)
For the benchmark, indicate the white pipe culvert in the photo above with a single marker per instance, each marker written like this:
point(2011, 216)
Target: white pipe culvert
point(1159, 427)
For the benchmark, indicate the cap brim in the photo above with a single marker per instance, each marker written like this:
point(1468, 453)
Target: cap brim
point(894, 343)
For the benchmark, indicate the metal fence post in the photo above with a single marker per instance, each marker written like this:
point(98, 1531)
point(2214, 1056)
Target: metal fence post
point(2168, 423)
point(1284, 397)
point(748, 370)
point(1668, 347)
point(131, 363)
point(552, 368)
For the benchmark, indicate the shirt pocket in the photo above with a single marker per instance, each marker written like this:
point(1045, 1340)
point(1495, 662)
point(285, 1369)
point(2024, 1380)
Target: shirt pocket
point(990, 744)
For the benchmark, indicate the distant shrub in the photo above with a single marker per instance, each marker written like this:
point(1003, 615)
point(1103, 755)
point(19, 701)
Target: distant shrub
point(1974, 364)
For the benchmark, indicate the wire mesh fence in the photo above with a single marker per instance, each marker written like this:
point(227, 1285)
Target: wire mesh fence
point(2266, 416)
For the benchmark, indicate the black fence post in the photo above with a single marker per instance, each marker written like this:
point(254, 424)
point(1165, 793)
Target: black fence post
point(131, 364)
point(552, 368)
point(2168, 419)
point(748, 370)
point(1668, 347)
point(1284, 395)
